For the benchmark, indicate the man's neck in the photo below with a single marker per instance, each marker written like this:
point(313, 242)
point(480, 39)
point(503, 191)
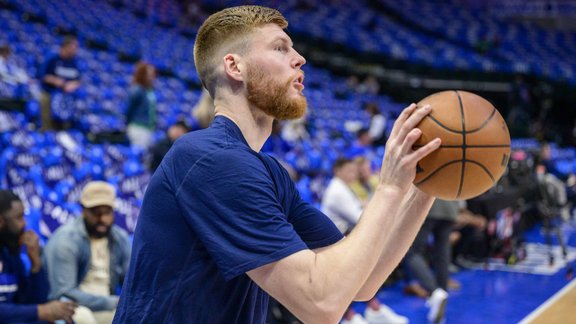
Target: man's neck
point(254, 124)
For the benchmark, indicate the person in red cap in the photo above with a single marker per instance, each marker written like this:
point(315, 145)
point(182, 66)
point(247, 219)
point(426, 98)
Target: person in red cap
point(88, 257)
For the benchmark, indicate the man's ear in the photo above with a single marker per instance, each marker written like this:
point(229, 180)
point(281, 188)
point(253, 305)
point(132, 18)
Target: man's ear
point(233, 67)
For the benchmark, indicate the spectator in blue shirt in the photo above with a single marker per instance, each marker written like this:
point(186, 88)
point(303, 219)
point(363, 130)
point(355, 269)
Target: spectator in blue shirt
point(23, 295)
point(59, 75)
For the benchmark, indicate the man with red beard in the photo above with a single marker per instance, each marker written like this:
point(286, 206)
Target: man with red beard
point(23, 296)
point(222, 227)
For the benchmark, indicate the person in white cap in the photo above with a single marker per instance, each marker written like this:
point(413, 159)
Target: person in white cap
point(88, 257)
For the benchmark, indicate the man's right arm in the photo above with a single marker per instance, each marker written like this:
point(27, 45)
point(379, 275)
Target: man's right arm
point(319, 285)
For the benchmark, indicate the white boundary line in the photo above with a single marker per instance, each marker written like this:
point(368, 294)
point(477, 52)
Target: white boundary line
point(535, 313)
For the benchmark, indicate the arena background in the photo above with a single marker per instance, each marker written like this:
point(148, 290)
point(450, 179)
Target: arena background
point(517, 54)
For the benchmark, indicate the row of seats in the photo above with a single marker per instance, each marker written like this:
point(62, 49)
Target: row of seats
point(505, 46)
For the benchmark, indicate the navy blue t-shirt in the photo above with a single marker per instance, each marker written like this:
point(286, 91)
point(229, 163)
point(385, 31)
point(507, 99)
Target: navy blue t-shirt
point(214, 210)
point(67, 69)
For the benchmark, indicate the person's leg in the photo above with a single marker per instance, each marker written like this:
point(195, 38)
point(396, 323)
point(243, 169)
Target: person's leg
point(45, 112)
point(415, 261)
point(442, 251)
point(439, 296)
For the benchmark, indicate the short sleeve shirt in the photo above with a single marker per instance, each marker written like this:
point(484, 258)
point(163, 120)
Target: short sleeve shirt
point(214, 210)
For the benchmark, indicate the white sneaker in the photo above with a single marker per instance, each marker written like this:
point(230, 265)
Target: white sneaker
point(356, 319)
point(437, 304)
point(384, 315)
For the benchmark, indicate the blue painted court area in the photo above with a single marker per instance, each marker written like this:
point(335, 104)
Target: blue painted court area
point(487, 296)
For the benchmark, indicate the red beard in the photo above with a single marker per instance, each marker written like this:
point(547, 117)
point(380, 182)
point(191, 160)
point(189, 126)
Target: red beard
point(271, 96)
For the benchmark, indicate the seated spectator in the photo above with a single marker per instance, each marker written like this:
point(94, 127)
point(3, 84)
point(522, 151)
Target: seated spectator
point(14, 81)
point(141, 106)
point(23, 295)
point(88, 257)
point(60, 78)
point(339, 202)
point(163, 146)
point(367, 180)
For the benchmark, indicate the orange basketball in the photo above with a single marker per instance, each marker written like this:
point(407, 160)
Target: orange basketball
point(475, 146)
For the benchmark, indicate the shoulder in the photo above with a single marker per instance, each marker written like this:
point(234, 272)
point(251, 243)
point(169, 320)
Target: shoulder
point(216, 165)
point(214, 149)
point(335, 184)
point(66, 235)
point(236, 161)
point(66, 229)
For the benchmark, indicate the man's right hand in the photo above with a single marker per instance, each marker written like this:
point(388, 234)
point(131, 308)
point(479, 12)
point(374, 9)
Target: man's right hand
point(56, 310)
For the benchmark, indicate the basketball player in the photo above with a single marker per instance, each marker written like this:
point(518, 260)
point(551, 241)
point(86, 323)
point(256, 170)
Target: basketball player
point(222, 226)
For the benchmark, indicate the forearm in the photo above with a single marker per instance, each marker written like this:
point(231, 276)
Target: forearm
point(10, 313)
point(72, 85)
point(400, 235)
point(54, 80)
point(351, 263)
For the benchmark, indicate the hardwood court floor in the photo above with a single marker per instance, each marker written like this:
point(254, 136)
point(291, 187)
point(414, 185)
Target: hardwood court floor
point(559, 309)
